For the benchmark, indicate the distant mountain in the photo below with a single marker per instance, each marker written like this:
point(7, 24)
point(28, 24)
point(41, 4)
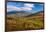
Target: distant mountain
point(14, 12)
point(23, 13)
point(40, 12)
point(19, 13)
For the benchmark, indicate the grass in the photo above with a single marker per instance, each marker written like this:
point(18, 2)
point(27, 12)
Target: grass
point(25, 23)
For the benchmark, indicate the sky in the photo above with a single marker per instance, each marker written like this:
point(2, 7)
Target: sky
point(20, 6)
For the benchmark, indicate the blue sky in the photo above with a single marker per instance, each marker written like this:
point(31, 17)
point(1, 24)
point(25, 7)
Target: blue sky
point(20, 6)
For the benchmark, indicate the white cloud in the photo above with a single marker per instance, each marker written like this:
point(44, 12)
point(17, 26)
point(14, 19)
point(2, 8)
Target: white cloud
point(13, 8)
point(25, 8)
point(28, 5)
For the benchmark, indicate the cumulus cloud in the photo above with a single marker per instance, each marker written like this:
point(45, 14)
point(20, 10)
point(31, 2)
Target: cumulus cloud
point(13, 8)
point(28, 5)
point(25, 8)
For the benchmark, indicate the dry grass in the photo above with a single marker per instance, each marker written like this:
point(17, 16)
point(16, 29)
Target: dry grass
point(25, 23)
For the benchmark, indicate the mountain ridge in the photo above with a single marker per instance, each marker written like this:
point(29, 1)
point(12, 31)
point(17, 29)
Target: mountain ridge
point(23, 13)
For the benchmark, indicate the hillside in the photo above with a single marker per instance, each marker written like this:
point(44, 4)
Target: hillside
point(31, 22)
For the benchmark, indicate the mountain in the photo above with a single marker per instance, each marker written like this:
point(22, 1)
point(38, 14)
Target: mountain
point(23, 13)
point(34, 14)
point(19, 13)
point(14, 12)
